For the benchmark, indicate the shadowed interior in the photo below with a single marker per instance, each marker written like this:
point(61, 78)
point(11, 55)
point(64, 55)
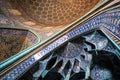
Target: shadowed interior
point(77, 59)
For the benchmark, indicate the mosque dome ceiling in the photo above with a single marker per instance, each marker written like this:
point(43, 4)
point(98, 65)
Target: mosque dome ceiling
point(56, 12)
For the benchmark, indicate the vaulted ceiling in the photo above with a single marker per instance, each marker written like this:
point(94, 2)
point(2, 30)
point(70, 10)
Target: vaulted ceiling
point(56, 12)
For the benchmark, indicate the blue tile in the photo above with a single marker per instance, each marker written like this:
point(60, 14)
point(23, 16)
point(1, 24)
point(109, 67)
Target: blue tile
point(100, 20)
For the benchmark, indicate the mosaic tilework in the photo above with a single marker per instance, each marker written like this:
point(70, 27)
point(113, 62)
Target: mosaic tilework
point(56, 12)
point(69, 53)
point(111, 20)
point(19, 70)
point(91, 24)
point(99, 41)
point(100, 74)
point(4, 21)
point(13, 41)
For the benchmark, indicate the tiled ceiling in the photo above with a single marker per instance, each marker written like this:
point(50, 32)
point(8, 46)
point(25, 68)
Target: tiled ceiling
point(56, 12)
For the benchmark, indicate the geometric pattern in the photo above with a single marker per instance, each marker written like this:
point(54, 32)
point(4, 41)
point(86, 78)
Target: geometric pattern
point(99, 73)
point(72, 57)
point(109, 20)
point(71, 54)
point(4, 21)
point(56, 12)
point(13, 41)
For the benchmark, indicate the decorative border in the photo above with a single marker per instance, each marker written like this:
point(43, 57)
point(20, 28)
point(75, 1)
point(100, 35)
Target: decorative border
point(89, 25)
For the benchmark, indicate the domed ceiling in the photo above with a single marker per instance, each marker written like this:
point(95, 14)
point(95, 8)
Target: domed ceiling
point(56, 12)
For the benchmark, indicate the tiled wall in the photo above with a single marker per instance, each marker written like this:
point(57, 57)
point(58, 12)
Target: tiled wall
point(4, 21)
point(109, 20)
point(13, 41)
